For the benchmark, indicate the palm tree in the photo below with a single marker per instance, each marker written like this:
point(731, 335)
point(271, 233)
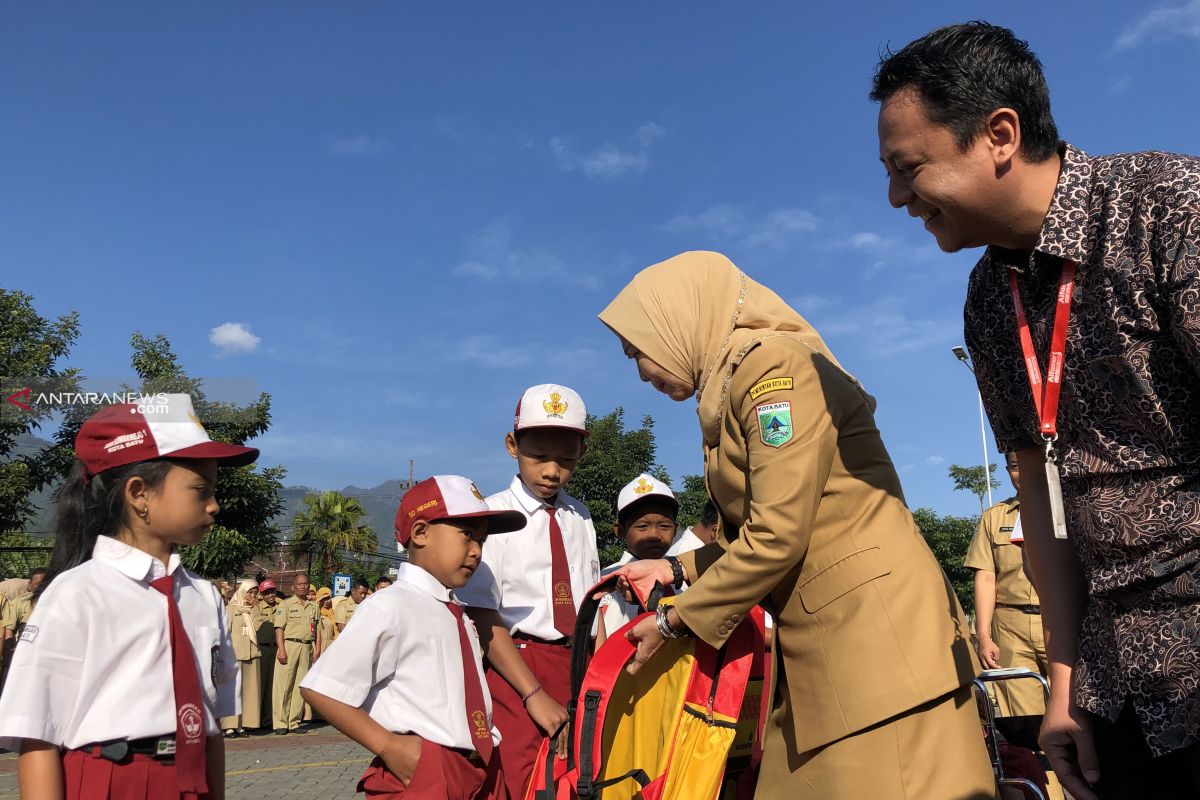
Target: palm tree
point(329, 525)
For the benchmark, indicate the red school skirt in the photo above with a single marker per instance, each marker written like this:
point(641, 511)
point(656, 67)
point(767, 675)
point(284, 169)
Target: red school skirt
point(141, 777)
point(443, 773)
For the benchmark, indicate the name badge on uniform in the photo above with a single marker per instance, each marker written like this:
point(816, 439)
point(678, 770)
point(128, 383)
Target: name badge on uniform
point(164, 747)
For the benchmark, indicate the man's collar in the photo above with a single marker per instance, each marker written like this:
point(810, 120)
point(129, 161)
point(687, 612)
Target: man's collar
point(530, 503)
point(131, 562)
point(418, 578)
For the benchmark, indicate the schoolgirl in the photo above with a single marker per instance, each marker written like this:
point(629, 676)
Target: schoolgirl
point(126, 664)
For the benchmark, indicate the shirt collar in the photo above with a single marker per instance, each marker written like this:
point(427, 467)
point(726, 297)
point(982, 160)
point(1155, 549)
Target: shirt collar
point(530, 503)
point(131, 562)
point(1070, 227)
point(419, 579)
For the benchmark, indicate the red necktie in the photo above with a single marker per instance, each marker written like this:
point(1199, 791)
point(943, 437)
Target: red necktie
point(477, 721)
point(560, 580)
point(190, 736)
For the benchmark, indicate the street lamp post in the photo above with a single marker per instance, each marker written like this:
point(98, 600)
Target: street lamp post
point(961, 354)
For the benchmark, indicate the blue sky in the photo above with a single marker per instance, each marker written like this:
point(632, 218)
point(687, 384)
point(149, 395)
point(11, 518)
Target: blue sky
point(415, 210)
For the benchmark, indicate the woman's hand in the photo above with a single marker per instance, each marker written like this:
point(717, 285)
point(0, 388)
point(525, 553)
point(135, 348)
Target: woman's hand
point(647, 639)
point(1066, 738)
point(401, 754)
point(641, 575)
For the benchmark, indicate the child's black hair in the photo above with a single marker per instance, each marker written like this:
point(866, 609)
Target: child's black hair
point(93, 508)
point(708, 514)
point(637, 508)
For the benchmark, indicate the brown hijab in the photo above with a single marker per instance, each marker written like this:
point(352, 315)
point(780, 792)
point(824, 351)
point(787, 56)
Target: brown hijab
point(696, 315)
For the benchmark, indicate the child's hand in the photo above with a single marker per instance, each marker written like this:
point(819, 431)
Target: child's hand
point(401, 754)
point(549, 715)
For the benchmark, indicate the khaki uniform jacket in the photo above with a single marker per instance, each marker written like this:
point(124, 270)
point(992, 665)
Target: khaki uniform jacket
point(815, 526)
point(244, 637)
point(345, 611)
point(298, 618)
point(266, 623)
point(992, 550)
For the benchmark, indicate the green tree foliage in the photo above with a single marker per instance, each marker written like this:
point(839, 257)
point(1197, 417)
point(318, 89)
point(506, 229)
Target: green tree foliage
point(30, 348)
point(691, 500)
point(18, 565)
point(975, 481)
point(615, 457)
point(328, 527)
point(948, 538)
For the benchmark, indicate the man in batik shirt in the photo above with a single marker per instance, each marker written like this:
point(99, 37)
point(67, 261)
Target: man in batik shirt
point(969, 144)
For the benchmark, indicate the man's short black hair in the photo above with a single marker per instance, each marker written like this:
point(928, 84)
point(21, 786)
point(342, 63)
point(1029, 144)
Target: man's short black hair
point(37, 571)
point(965, 72)
point(708, 514)
point(359, 583)
point(382, 579)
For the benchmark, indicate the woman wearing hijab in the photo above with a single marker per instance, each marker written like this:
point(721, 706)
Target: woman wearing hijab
point(326, 629)
point(243, 628)
point(874, 664)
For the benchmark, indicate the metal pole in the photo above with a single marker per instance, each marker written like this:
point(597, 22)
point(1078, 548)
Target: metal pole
point(987, 467)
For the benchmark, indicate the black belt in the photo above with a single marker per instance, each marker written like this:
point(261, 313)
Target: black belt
point(301, 641)
point(564, 641)
point(161, 748)
point(470, 755)
point(1026, 609)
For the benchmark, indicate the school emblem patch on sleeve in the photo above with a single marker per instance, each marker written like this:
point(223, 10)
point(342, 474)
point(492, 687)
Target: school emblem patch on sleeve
point(775, 423)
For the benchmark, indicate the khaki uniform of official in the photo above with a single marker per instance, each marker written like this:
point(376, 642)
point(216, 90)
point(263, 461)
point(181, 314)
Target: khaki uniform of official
point(1017, 620)
point(345, 611)
point(246, 650)
point(298, 620)
point(873, 655)
point(8, 631)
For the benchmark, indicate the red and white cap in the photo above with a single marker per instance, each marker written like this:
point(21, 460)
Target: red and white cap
point(166, 426)
point(450, 497)
point(267, 585)
point(549, 405)
point(640, 488)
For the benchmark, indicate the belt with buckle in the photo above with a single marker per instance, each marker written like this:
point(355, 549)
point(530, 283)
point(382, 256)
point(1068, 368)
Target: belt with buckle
point(564, 641)
point(157, 747)
point(470, 755)
point(1025, 609)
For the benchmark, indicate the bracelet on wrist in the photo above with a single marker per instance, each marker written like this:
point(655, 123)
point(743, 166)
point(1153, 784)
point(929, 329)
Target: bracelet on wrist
point(664, 626)
point(532, 692)
point(677, 573)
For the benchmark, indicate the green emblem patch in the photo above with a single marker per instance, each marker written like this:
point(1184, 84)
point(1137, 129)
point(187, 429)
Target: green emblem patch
point(775, 423)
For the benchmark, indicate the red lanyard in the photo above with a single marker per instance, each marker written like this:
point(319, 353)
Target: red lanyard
point(1045, 398)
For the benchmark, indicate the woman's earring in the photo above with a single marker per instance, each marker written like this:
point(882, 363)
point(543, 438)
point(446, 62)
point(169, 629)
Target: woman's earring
point(144, 513)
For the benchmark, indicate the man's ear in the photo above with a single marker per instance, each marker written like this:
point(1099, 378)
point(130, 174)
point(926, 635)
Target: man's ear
point(1003, 131)
point(582, 448)
point(419, 534)
point(618, 531)
point(510, 443)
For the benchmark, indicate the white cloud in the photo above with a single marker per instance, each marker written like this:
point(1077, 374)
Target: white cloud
point(361, 146)
point(609, 161)
point(729, 221)
point(935, 461)
point(451, 127)
point(489, 352)
point(493, 256)
point(883, 328)
point(1164, 22)
point(809, 304)
point(233, 338)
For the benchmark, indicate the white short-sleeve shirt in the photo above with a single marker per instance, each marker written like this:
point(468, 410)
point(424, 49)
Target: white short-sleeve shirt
point(401, 662)
point(514, 576)
point(94, 662)
point(614, 609)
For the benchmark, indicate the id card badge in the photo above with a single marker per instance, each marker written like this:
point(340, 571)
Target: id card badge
point(1018, 534)
point(1058, 515)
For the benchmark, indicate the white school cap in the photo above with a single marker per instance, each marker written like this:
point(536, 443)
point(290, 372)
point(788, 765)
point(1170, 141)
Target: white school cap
point(550, 405)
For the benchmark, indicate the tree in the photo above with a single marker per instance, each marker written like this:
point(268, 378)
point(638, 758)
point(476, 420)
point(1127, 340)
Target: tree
point(973, 480)
point(691, 500)
point(330, 525)
point(948, 538)
point(615, 456)
point(14, 564)
point(30, 347)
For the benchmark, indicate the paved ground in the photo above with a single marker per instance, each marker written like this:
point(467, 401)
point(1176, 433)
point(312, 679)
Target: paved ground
point(321, 765)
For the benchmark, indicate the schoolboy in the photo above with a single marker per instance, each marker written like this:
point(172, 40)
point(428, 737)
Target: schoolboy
point(406, 680)
point(525, 595)
point(646, 512)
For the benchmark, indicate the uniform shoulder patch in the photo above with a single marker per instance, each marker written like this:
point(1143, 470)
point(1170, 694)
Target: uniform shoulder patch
point(775, 423)
point(770, 385)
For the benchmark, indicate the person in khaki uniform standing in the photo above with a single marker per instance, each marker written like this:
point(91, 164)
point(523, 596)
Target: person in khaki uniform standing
point(345, 609)
point(242, 613)
point(268, 598)
point(874, 661)
point(295, 623)
point(1008, 617)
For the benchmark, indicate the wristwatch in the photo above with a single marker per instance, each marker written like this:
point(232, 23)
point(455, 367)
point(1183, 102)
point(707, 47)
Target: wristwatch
point(676, 571)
